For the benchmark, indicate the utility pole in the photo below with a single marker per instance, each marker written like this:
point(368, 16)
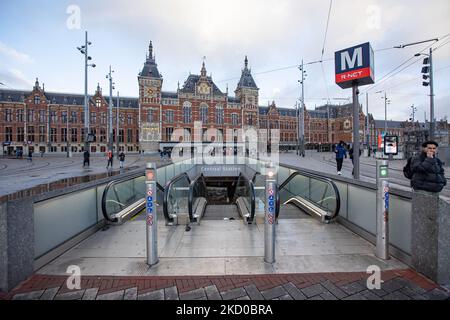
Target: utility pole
point(302, 112)
point(84, 50)
point(355, 132)
point(117, 120)
point(432, 121)
point(110, 122)
point(367, 125)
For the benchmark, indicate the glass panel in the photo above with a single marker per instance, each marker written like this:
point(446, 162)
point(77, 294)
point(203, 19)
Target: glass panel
point(58, 220)
point(400, 223)
point(100, 190)
point(179, 196)
point(362, 208)
point(282, 174)
point(124, 192)
point(161, 176)
point(342, 187)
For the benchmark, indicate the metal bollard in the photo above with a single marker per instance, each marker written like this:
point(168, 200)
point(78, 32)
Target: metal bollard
point(151, 221)
point(269, 223)
point(382, 248)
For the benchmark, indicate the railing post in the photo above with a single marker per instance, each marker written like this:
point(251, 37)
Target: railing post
point(151, 221)
point(382, 248)
point(270, 219)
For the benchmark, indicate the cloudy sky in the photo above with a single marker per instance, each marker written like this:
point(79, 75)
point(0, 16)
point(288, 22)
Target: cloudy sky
point(39, 38)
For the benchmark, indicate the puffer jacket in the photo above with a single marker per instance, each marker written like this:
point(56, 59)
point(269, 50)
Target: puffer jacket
point(428, 174)
point(340, 151)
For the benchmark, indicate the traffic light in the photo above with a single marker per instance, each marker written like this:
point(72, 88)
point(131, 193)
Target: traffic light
point(426, 72)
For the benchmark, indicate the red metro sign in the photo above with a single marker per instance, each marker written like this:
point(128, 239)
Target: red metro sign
point(354, 66)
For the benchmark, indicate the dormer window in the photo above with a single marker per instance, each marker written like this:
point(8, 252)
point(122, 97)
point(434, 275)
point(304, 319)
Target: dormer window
point(98, 103)
point(37, 100)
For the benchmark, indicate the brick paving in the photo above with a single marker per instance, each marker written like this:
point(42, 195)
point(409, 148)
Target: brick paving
point(397, 285)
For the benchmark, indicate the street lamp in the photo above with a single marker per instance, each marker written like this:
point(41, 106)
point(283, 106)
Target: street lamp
point(427, 70)
point(84, 50)
point(386, 102)
point(301, 113)
point(111, 88)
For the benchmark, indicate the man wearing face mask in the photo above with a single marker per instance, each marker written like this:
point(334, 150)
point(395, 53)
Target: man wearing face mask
point(427, 170)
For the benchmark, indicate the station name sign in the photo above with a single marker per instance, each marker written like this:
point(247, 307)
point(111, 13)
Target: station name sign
point(354, 65)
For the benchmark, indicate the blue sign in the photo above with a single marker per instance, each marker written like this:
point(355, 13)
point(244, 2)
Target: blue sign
point(149, 198)
point(271, 203)
point(149, 210)
point(270, 209)
point(354, 65)
point(386, 200)
point(271, 197)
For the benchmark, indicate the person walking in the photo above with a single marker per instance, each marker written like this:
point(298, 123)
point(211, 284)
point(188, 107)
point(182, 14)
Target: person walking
point(340, 152)
point(110, 157)
point(30, 155)
point(86, 156)
point(427, 170)
point(350, 153)
point(122, 159)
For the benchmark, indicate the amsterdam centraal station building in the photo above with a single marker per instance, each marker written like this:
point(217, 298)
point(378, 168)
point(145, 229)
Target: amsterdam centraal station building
point(157, 120)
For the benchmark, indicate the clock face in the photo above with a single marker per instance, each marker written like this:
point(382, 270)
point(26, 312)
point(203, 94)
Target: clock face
point(203, 89)
point(149, 92)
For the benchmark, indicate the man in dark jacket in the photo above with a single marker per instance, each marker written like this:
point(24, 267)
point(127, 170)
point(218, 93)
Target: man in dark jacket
point(427, 170)
point(341, 152)
point(86, 156)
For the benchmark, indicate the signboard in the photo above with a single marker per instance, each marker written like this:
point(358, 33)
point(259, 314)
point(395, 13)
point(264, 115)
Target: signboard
point(390, 145)
point(354, 65)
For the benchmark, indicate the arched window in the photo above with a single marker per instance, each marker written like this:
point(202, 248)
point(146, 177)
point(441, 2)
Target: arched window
point(187, 112)
point(219, 114)
point(204, 113)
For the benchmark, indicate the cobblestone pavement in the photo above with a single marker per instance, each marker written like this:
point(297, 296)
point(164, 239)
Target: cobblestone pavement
point(397, 285)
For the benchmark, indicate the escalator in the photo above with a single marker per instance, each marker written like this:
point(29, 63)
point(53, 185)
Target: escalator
point(301, 195)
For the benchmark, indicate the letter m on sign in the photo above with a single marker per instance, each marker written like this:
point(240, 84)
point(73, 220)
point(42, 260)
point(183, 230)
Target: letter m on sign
point(354, 66)
point(349, 63)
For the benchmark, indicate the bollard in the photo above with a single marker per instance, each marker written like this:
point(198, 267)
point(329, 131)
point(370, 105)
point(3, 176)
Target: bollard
point(382, 248)
point(269, 223)
point(151, 221)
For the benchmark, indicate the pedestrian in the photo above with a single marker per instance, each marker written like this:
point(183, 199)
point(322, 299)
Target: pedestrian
point(110, 157)
point(427, 170)
point(340, 152)
point(30, 155)
point(350, 153)
point(86, 156)
point(122, 159)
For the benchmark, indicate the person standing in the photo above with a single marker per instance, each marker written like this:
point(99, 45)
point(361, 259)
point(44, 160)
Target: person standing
point(110, 159)
point(340, 152)
point(122, 159)
point(86, 156)
point(427, 170)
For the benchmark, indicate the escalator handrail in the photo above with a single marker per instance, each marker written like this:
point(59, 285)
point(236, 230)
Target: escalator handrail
point(237, 185)
point(166, 193)
point(105, 192)
point(191, 194)
point(320, 178)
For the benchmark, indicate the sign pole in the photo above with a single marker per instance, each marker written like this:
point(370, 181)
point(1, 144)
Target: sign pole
point(270, 217)
point(382, 248)
point(151, 221)
point(355, 131)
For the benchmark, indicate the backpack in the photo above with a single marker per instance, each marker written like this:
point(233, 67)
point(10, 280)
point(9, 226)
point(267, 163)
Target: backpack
point(407, 172)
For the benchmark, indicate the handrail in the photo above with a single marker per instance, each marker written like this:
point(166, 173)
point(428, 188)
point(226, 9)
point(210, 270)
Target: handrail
point(252, 200)
point(166, 194)
point(105, 192)
point(235, 189)
point(108, 187)
point(191, 194)
point(320, 178)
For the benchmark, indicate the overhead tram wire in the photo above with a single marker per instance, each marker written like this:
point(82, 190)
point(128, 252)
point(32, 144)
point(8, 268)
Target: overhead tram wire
point(391, 74)
point(323, 50)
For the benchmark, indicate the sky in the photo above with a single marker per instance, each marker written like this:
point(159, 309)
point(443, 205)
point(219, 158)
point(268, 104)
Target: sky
point(39, 39)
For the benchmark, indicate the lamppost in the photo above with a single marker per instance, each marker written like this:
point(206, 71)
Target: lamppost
point(425, 70)
point(386, 102)
point(302, 111)
point(67, 133)
point(84, 50)
point(428, 74)
point(110, 121)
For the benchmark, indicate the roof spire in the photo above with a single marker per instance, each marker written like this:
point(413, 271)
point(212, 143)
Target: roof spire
point(150, 50)
point(246, 62)
point(203, 72)
point(36, 84)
